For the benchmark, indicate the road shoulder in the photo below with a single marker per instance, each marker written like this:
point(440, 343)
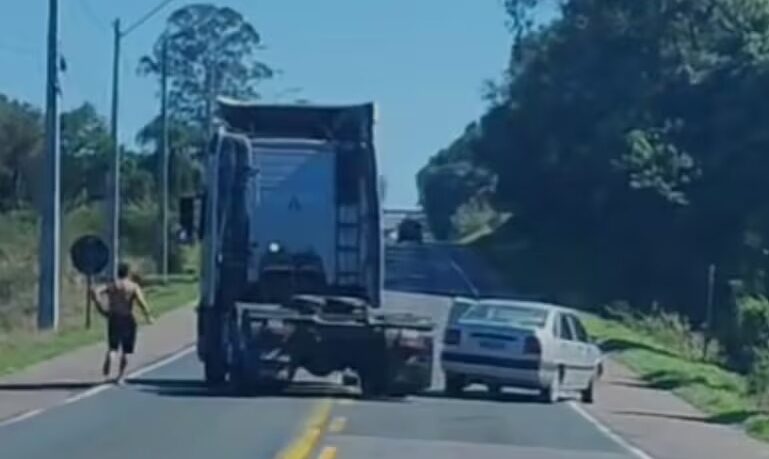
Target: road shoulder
point(663, 425)
point(54, 381)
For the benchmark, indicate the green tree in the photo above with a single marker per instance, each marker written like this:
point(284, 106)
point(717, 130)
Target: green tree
point(628, 136)
point(85, 149)
point(212, 51)
point(21, 136)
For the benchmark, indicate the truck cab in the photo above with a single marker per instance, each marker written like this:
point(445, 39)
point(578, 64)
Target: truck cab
point(290, 208)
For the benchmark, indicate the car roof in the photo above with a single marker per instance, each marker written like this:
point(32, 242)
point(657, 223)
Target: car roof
point(520, 303)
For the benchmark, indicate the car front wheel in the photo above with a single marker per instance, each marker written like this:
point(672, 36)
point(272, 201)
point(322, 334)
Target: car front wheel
point(551, 393)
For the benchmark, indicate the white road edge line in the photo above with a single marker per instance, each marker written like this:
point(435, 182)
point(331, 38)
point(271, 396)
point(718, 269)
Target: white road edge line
point(100, 388)
point(465, 278)
point(20, 417)
point(604, 429)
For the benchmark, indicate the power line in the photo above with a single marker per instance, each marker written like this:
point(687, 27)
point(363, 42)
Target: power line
point(89, 12)
point(146, 17)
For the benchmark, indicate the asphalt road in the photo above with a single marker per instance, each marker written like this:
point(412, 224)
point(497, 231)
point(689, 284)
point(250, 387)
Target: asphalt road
point(168, 413)
point(514, 425)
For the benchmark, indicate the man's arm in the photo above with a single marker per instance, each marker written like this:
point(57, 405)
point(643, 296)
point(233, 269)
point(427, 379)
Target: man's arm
point(96, 294)
point(142, 302)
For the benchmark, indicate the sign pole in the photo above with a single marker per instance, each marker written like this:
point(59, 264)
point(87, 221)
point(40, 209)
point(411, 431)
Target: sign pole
point(89, 286)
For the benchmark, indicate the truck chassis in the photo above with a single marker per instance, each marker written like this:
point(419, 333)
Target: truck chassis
point(391, 354)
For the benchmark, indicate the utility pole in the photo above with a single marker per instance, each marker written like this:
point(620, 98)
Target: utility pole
point(48, 288)
point(164, 159)
point(113, 197)
point(709, 312)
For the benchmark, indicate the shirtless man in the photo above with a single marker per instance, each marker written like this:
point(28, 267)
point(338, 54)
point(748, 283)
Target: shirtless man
point(122, 295)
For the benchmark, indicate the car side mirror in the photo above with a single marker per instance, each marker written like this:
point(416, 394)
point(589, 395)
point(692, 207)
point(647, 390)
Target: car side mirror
point(187, 217)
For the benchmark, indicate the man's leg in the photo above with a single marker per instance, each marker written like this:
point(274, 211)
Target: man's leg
point(123, 365)
point(128, 343)
point(113, 343)
point(107, 363)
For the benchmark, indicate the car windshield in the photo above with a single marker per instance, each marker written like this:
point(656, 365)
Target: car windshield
point(517, 315)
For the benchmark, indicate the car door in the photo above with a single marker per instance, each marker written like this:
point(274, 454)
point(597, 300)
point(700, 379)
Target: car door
point(584, 362)
point(566, 350)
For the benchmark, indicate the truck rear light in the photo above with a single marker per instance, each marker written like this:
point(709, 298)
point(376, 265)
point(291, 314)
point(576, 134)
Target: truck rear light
point(420, 343)
point(279, 327)
point(452, 337)
point(532, 345)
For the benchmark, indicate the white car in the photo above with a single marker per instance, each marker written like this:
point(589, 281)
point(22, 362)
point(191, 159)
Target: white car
point(520, 344)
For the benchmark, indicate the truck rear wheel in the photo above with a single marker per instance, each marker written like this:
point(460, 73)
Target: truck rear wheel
point(215, 371)
point(455, 384)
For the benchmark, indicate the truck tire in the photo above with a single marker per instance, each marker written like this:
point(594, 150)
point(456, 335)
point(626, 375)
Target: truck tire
point(373, 381)
point(455, 385)
point(216, 361)
point(215, 371)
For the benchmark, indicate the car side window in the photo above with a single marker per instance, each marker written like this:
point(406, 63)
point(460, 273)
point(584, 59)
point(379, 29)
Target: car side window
point(556, 329)
point(565, 331)
point(579, 329)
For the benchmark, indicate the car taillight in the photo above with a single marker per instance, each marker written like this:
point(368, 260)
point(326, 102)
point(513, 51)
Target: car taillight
point(452, 337)
point(532, 345)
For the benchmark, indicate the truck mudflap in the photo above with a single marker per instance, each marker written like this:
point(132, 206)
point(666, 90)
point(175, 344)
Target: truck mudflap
point(410, 361)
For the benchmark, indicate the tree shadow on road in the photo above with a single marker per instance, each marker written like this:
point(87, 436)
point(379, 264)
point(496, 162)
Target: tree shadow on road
point(54, 385)
point(618, 345)
point(198, 388)
point(485, 396)
point(728, 418)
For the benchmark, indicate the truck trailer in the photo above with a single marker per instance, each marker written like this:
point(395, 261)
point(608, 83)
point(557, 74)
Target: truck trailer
point(292, 254)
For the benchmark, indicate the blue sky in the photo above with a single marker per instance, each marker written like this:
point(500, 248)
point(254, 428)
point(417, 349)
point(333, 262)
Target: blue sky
point(422, 61)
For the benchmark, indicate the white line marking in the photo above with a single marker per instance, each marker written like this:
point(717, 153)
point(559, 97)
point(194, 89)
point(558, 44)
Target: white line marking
point(100, 388)
point(604, 429)
point(162, 362)
point(465, 278)
point(20, 417)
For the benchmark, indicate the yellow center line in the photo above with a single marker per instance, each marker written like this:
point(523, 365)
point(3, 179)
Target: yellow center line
point(337, 424)
point(329, 452)
point(305, 443)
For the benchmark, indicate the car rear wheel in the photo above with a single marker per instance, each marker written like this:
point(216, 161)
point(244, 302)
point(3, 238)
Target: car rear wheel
point(551, 393)
point(455, 384)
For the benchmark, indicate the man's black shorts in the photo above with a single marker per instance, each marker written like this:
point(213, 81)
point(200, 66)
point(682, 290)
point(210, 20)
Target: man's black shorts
point(121, 333)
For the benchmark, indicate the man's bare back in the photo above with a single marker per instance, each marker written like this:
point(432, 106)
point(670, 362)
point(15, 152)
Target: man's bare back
point(121, 295)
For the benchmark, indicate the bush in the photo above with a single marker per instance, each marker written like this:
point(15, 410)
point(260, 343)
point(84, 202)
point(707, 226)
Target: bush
point(139, 239)
point(670, 329)
point(758, 378)
point(751, 334)
point(19, 233)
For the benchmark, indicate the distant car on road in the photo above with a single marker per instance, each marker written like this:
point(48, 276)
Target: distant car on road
point(520, 344)
point(410, 230)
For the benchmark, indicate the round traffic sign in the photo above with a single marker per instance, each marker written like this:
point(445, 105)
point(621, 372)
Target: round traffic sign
point(90, 255)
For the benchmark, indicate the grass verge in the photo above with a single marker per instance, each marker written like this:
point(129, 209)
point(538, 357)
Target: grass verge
point(22, 349)
point(721, 394)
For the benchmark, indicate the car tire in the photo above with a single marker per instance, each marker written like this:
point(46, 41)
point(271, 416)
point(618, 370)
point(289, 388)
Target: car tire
point(551, 394)
point(455, 385)
point(587, 395)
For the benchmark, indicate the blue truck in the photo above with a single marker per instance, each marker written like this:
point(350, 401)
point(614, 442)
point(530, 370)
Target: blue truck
point(292, 254)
